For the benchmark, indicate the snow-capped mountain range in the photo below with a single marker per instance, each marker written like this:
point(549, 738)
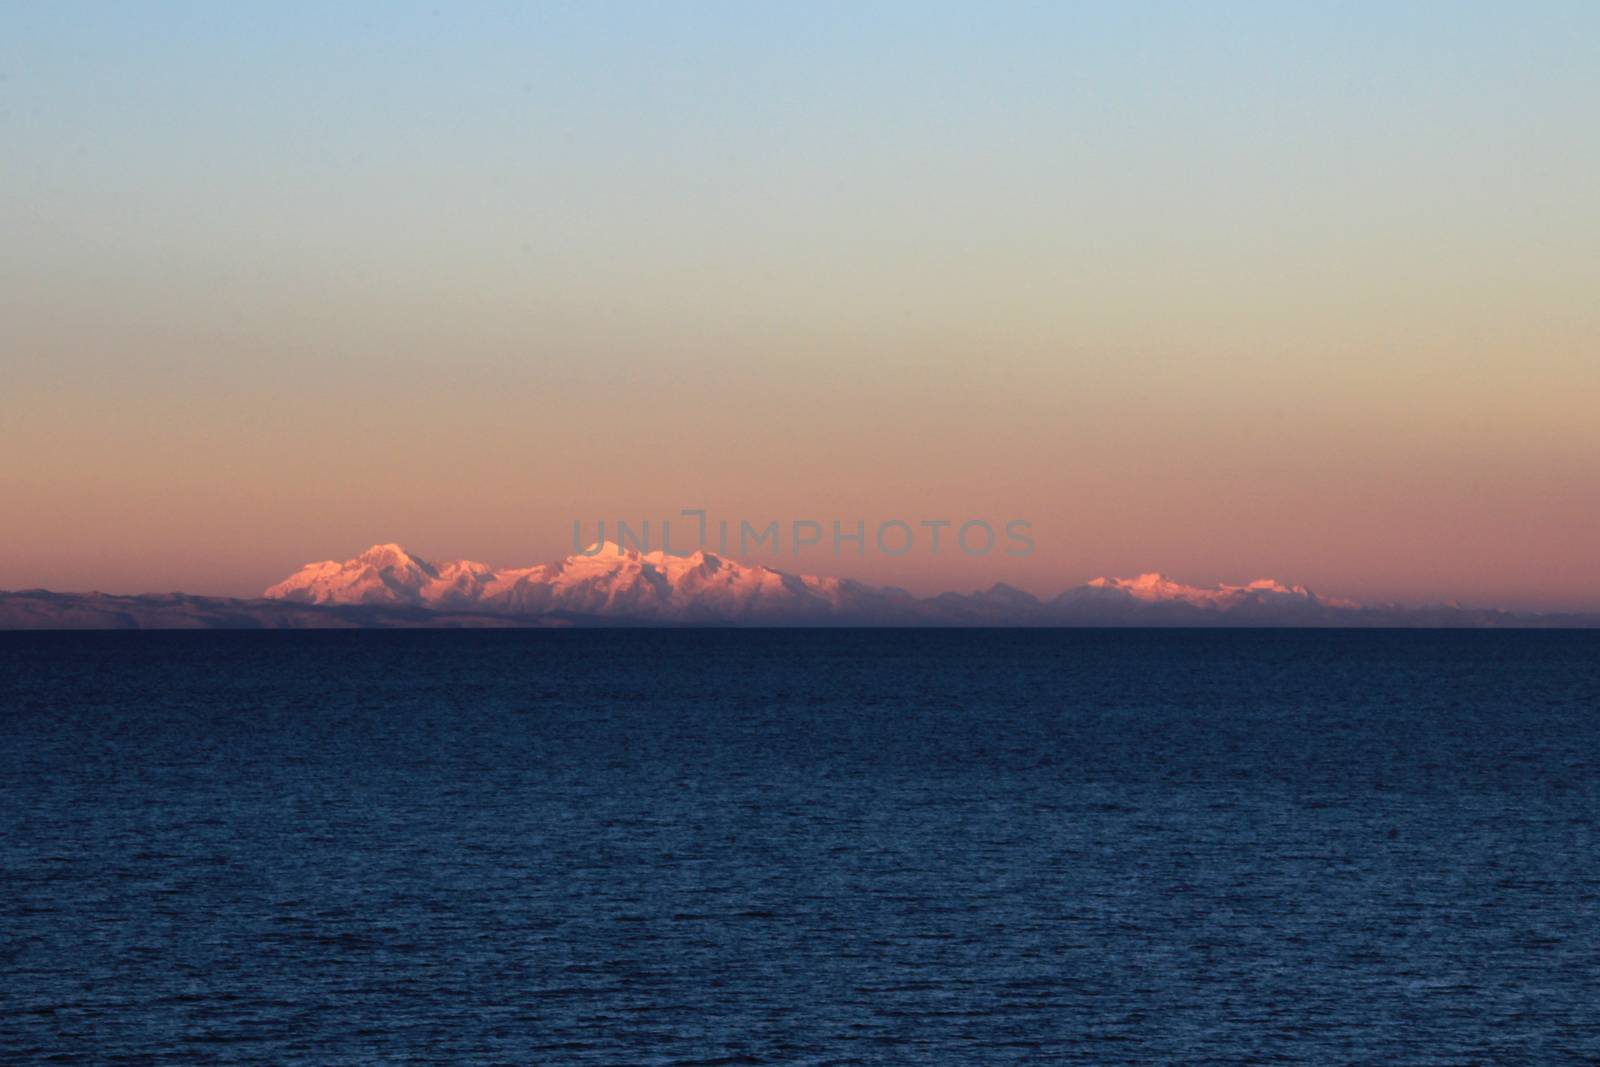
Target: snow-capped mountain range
point(610, 583)
point(387, 587)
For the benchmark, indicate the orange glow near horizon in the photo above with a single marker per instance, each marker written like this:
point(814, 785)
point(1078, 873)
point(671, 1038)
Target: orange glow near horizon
point(1224, 297)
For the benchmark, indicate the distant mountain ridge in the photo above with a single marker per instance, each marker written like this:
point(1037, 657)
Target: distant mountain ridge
point(703, 587)
point(387, 587)
point(610, 583)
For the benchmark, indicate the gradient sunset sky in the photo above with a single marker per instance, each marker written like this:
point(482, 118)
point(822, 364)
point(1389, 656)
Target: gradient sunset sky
point(1223, 290)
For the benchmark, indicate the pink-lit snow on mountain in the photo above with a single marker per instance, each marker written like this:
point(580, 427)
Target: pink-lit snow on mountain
point(610, 582)
point(1154, 587)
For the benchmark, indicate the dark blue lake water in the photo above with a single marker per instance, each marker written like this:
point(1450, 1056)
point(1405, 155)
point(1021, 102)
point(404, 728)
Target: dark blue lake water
point(800, 847)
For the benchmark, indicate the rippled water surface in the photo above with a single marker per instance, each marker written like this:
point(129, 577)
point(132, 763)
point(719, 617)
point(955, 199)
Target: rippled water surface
point(800, 847)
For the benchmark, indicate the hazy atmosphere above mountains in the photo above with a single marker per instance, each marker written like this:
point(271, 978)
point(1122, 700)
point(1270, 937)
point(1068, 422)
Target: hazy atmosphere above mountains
point(1222, 290)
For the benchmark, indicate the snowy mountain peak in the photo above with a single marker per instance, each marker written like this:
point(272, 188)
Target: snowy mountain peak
point(616, 583)
point(606, 581)
point(383, 574)
point(1153, 587)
